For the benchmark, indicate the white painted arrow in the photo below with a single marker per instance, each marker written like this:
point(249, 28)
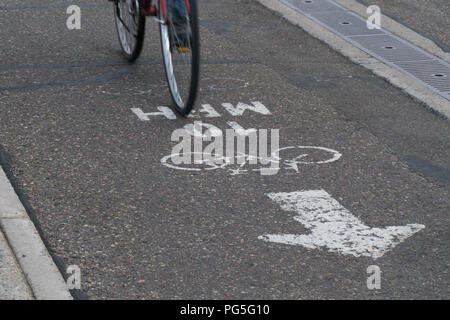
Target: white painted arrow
point(334, 227)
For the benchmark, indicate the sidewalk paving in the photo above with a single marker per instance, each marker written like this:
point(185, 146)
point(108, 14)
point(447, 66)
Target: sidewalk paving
point(13, 285)
point(27, 270)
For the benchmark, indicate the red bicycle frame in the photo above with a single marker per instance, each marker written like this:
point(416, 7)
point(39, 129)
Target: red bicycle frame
point(149, 9)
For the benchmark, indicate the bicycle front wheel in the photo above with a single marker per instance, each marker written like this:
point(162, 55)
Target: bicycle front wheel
point(130, 27)
point(180, 44)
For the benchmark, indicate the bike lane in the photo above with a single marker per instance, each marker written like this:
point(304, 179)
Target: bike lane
point(87, 153)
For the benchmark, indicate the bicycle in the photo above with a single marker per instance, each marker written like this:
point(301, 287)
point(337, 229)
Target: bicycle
point(181, 53)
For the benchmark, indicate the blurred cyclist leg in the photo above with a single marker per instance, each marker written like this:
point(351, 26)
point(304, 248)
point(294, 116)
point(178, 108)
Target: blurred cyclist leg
point(178, 14)
point(178, 9)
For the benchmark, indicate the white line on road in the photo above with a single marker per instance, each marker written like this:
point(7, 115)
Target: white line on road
point(334, 227)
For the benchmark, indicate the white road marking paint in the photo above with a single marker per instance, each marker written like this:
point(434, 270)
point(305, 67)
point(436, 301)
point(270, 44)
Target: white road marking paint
point(222, 84)
point(243, 159)
point(336, 155)
point(196, 130)
point(164, 111)
point(209, 111)
point(241, 107)
point(231, 143)
point(206, 109)
point(334, 227)
point(211, 165)
point(239, 130)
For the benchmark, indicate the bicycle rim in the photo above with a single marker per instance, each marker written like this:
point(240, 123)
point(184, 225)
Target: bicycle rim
point(130, 27)
point(181, 66)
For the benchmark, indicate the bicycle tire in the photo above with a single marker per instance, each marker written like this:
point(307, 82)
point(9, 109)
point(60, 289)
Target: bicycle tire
point(135, 28)
point(183, 101)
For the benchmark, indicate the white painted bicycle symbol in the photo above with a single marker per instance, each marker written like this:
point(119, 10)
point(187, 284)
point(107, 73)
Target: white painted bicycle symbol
point(294, 158)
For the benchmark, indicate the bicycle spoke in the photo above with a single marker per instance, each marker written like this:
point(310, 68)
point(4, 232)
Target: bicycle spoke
point(130, 27)
point(180, 47)
point(181, 64)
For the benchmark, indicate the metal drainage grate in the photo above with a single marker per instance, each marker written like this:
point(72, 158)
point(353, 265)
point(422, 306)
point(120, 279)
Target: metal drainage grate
point(429, 70)
point(312, 6)
point(388, 48)
point(344, 24)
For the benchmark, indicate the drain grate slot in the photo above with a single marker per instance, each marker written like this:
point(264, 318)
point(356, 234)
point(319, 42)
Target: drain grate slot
point(428, 72)
point(345, 24)
point(425, 68)
point(312, 5)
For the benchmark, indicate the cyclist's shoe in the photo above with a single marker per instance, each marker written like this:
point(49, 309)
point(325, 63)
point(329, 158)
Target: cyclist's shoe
point(182, 37)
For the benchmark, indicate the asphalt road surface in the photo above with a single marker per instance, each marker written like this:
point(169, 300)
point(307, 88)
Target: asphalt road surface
point(90, 172)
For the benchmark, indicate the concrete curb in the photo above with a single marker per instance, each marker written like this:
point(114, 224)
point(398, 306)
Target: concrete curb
point(40, 271)
point(416, 90)
point(13, 285)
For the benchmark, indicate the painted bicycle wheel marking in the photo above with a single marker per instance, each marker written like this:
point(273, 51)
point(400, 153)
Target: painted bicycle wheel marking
point(236, 169)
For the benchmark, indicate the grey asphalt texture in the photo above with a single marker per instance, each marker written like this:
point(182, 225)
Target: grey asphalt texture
point(90, 174)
